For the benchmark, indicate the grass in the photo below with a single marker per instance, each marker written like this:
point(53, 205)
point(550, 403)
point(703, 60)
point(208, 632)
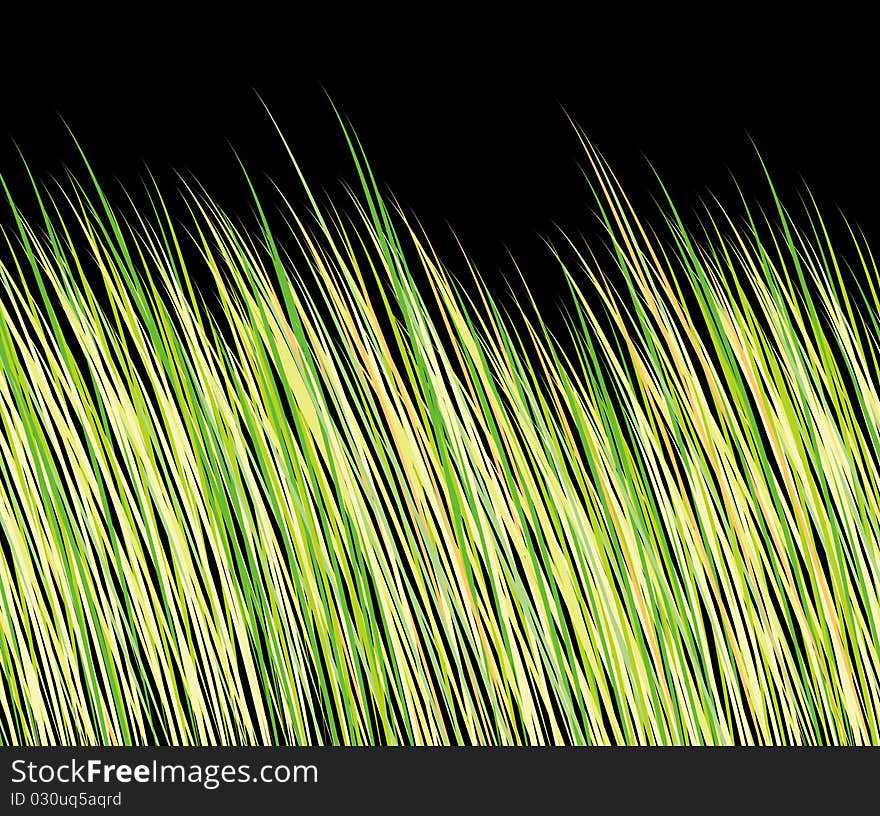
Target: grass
point(335, 496)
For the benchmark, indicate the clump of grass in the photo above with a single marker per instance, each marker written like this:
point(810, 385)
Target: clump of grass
point(325, 503)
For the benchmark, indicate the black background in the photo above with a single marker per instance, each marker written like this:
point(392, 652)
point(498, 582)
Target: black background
point(490, 154)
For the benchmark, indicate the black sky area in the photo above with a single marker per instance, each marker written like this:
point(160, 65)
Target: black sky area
point(492, 155)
